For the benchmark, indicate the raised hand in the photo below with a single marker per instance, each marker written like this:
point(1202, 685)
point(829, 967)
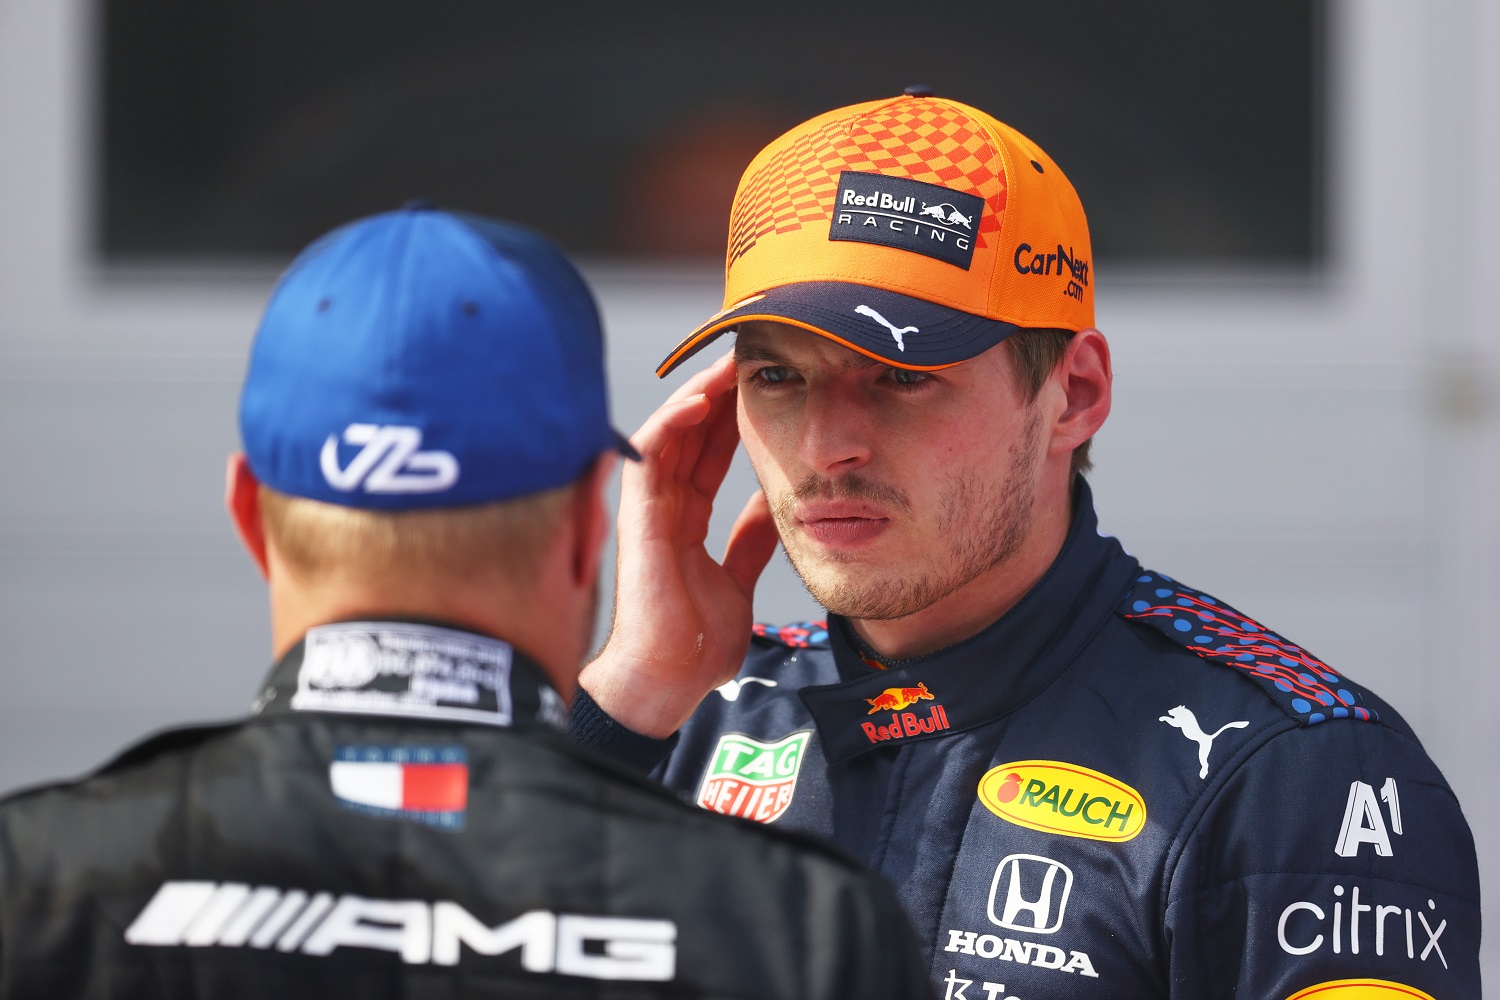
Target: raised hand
point(681, 620)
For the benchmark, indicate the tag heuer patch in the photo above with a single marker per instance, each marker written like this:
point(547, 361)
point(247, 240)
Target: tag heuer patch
point(751, 779)
point(909, 215)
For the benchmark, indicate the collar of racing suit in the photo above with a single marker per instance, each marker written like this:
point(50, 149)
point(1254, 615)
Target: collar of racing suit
point(410, 669)
point(988, 674)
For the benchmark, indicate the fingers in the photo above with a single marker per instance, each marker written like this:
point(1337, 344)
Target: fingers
point(752, 542)
point(717, 383)
point(717, 438)
point(666, 439)
point(711, 381)
point(668, 422)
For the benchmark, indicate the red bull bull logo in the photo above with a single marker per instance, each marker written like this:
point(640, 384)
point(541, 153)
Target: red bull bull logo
point(751, 779)
point(895, 699)
point(903, 725)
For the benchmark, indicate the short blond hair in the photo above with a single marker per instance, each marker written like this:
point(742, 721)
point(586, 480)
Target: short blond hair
point(1035, 355)
point(318, 539)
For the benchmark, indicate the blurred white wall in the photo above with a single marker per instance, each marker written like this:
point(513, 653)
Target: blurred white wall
point(1323, 452)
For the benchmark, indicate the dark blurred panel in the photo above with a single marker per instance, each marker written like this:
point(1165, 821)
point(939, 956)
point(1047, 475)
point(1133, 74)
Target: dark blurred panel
point(1191, 130)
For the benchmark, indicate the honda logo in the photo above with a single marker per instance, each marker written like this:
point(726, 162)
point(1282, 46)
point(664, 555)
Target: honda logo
point(1030, 893)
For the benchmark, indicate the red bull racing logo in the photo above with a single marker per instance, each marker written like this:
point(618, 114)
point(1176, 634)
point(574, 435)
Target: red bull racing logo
point(751, 779)
point(903, 724)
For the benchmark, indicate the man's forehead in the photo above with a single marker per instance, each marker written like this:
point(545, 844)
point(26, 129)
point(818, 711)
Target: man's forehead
point(767, 340)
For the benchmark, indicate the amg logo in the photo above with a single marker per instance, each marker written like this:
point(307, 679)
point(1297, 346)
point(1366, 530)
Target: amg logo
point(234, 915)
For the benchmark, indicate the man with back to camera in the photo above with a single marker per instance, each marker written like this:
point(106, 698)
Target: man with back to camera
point(426, 444)
point(1084, 778)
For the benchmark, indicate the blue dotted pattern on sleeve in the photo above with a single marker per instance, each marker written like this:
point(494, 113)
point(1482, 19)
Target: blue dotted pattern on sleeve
point(799, 635)
point(1298, 681)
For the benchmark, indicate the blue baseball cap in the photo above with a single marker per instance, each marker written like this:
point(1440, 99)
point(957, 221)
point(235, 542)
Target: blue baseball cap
point(422, 359)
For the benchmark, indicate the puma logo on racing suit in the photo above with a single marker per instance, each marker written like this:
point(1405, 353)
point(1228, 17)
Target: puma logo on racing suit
point(1183, 718)
point(732, 689)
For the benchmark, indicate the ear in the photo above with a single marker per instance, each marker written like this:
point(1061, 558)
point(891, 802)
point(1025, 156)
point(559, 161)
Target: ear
point(590, 520)
point(242, 499)
point(1085, 377)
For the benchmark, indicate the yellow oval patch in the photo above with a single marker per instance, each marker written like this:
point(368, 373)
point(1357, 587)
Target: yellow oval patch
point(1067, 799)
point(1359, 989)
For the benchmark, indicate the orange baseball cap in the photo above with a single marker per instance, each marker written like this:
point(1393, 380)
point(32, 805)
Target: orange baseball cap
point(918, 231)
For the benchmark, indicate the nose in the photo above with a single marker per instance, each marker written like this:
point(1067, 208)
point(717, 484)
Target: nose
point(836, 429)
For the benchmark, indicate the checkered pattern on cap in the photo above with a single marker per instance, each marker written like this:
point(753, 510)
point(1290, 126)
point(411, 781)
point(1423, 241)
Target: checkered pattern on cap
point(924, 140)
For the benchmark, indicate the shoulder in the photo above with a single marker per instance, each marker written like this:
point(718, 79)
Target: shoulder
point(796, 654)
point(116, 810)
point(664, 817)
point(797, 635)
point(1227, 643)
point(141, 762)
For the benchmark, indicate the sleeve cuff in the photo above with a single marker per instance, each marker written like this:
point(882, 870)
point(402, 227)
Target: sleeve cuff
point(591, 726)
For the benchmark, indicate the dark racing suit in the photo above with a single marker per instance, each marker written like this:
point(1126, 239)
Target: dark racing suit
point(401, 819)
point(1121, 788)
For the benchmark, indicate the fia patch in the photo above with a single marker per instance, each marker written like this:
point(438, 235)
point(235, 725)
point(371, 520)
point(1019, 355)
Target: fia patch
point(910, 215)
point(752, 779)
point(415, 671)
point(428, 784)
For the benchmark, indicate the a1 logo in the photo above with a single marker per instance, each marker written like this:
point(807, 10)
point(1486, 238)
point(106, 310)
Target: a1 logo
point(1364, 823)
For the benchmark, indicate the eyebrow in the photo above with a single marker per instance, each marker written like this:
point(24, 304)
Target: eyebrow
point(745, 353)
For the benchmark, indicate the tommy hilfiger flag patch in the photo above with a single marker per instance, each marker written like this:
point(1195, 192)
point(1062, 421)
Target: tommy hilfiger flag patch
point(429, 784)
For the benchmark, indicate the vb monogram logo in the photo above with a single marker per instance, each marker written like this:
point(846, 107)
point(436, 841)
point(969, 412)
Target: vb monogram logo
point(388, 462)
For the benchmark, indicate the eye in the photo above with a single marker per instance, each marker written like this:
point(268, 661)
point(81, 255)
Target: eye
point(771, 375)
point(906, 377)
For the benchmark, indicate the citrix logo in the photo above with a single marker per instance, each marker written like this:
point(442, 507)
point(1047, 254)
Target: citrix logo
point(1303, 935)
point(233, 915)
point(388, 462)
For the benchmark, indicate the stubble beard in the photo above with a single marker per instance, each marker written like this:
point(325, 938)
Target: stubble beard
point(984, 524)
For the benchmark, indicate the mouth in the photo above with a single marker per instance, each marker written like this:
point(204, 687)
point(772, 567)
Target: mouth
point(842, 524)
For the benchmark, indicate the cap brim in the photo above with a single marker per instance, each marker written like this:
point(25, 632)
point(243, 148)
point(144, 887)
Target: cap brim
point(624, 447)
point(899, 330)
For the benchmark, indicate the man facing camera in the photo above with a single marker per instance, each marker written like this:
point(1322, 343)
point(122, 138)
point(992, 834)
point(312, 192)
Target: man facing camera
point(426, 447)
point(1085, 778)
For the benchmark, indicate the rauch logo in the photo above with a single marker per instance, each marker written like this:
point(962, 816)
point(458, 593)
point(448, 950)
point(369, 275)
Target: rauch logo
point(1066, 799)
point(751, 779)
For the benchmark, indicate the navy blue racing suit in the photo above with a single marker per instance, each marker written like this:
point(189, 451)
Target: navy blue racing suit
point(1121, 788)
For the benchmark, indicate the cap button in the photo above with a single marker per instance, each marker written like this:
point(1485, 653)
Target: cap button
point(419, 205)
point(918, 90)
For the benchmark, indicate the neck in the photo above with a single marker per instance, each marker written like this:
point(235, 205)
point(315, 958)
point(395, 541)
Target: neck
point(509, 613)
point(976, 605)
